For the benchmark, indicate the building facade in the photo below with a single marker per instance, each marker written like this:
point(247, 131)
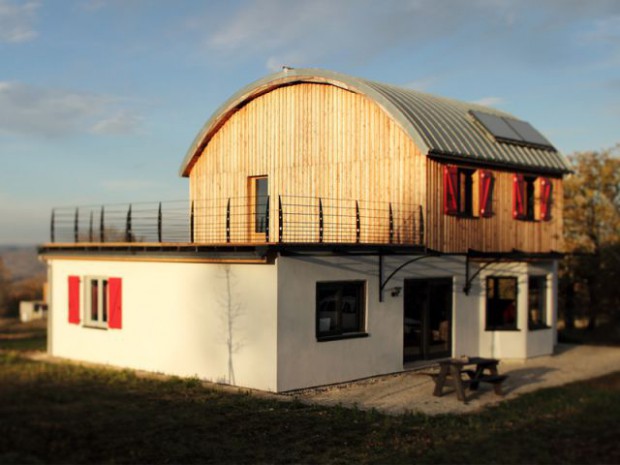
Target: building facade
point(336, 229)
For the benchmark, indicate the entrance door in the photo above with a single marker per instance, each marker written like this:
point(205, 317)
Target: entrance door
point(427, 319)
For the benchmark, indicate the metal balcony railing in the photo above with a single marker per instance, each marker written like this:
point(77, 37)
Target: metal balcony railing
point(247, 220)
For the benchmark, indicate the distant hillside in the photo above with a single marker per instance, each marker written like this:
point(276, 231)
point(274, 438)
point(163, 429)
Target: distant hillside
point(21, 261)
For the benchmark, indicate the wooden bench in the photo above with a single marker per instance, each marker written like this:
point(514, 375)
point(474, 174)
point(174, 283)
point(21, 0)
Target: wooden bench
point(496, 380)
point(484, 371)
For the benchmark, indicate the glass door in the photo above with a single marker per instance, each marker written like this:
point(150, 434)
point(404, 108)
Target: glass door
point(427, 319)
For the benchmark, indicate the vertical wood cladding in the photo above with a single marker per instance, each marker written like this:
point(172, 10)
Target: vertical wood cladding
point(499, 233)
point(310, 140)
point(317, 140)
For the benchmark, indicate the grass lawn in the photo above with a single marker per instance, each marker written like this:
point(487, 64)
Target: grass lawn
point(73, 414)
point(15, 335)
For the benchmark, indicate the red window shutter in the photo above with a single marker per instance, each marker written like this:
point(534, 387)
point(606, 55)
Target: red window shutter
point(486, 191)
point(450, 183)
point(115, 311)
point(519, 191)
point(74, 300)
point(545, 198)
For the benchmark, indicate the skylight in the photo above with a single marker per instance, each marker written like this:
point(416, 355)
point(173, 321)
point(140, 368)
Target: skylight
point(511, 130)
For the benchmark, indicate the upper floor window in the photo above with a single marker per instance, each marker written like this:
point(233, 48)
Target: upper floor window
point(467, 192)
point(531, 198)
point(259, 199)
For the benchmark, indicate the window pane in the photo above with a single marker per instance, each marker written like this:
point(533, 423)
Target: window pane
point(530, 200)
point(501, 303)
point(507, 289)
point(104, 301)
point(349, 308)
point(490, 288)
point(261, 191)
point(537, 297)
point(466, 191)
point(327, 308)
point(94, 300)
point(340, 307)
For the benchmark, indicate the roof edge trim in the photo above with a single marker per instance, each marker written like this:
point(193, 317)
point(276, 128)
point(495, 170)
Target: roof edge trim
point(464, 160)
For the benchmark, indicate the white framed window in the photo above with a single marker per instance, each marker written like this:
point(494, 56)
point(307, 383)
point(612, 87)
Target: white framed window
point(95, 302)
point(97, 296)
point(537, 303)
point(501, 303)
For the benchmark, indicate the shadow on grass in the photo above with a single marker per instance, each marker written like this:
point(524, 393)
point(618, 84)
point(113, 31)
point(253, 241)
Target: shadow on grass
point(70, 413)
point(569, 424)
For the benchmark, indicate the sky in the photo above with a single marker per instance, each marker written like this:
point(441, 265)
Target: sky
point(100, 99)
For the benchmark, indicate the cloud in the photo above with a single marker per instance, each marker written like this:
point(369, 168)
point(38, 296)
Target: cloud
point(613, 84)
point(606, 30)
point(17, 21)
point(300, 33)
point(422, 84)
point(48, 112)
point(489, 101)
point(606, 34)
point(122, 122)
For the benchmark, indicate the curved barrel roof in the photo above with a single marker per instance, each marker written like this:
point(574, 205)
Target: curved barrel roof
point(439, 126)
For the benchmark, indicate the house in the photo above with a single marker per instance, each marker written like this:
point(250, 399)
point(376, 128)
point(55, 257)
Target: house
point(337, 228)
point(32, 310)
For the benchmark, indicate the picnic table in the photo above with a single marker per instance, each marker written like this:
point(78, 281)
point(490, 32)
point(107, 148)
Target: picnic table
point(477, 369)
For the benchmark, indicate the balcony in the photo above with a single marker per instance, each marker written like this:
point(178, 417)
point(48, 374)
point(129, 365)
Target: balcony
point(239, 221)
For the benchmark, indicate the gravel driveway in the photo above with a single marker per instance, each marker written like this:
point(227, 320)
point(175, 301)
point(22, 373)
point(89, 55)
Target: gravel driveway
point(412, 390)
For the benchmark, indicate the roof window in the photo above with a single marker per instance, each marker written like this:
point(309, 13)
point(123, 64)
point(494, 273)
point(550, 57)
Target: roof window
point(511, 130)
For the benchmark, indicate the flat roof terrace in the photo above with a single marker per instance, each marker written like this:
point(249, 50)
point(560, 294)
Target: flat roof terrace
point(235, 223)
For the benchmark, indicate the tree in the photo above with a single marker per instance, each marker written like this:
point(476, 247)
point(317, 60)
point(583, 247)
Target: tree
point(592, 230)
point(5, 288)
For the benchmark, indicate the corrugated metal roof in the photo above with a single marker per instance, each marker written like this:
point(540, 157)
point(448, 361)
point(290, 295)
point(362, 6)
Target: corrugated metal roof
point(439, 126)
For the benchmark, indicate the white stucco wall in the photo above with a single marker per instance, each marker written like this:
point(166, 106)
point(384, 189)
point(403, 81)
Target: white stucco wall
point(522, 343)
point(541, 341)
point(303, 361)
point(175, 320)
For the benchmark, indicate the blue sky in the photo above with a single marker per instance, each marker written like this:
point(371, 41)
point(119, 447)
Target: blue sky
point(100, 99)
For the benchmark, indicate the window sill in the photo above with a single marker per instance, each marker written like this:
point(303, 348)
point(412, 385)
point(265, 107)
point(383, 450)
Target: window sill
point(336, 337)
point(463, 216)
point(94, 327)
point(503, 329)
point(538, 328)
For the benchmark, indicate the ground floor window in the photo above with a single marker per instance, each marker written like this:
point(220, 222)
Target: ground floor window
point(340, 309)
point(537, 302)
point(501, 310)
point(101, 299)
point(97, 302)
